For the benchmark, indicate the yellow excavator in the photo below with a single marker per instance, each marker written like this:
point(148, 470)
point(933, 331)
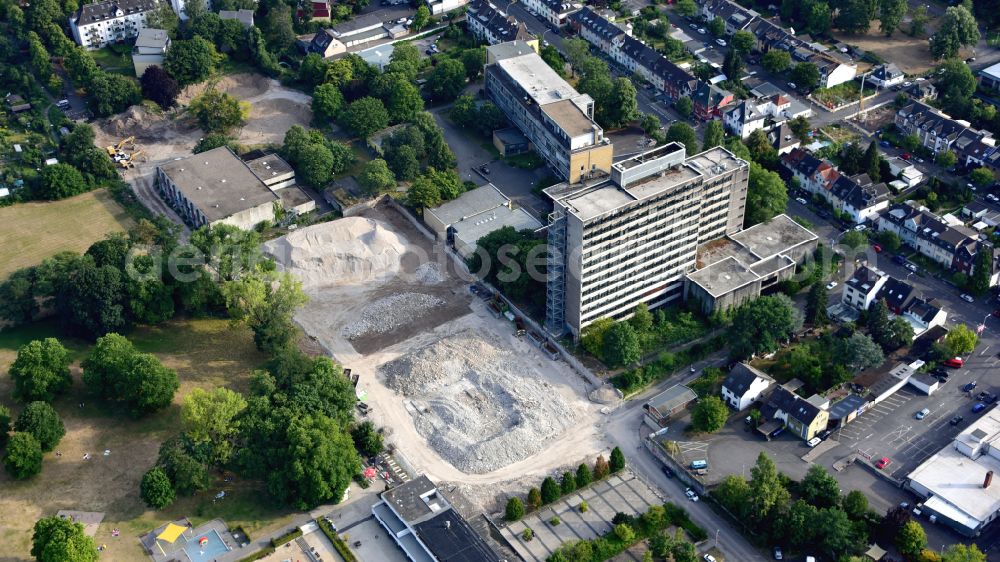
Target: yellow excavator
point(126, 162)
point(114, 149)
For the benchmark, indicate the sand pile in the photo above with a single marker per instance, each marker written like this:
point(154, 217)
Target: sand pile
point(241, 86)
point(349, 251)
point(475, 403)
point(385, 315)
point(429, 274)
point(136, 120)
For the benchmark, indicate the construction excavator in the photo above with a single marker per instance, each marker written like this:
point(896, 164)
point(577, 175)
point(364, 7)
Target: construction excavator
point(115, 149)
point(127, 163)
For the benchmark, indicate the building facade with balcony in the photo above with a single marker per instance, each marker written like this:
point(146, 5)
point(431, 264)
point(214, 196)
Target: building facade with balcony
point(105, 23)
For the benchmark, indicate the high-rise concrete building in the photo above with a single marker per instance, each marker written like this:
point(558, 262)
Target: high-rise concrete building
point(558, 120)
point(631, 236)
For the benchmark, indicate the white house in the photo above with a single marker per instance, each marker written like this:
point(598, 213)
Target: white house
point(861, 289)
point(441, 6)
point(552, 11)
point(906, 172)
point(743, 119)
point(104, 23)
point(744, 386)
point(886, 76)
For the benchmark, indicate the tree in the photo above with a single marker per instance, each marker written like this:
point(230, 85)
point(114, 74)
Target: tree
point(163, 17)
point(111, 93)
point(56, 539)
point(367, 439)
point(365, 116)
point(858, 352)
point(714, 135)
point(420, 18)
point(475, 59)
point(327, 101)
point(767, 494)
point(761, 150)
point(911, 539)
point(982, 177)
point(946, 159)
point(979, 282)
point(402, 99)
point(649, 123)
point(116, 371)
point(212, 141)
point(963, 553)
point(960, 340)
point(854, 239)
point(818, 18)
point(686, 8)
point(819, 488)
point(550, 490)
point(158, 86)
point(684, 106)
point(190, 61)
point(624, 107)
point(776, 60)
point(743, 41)
point(209, 418)
point(854, 16)
point(376, 177)
point(315, 165)
point(717, 27)
point(642, 319)
point(5, 417)
point(447, 80)
point(155, 489)
point(40, 371)
point(625, 533)
point(732, 66)
point(816, 304)
point(218, 111)
point(836, 531)
point(806, 75)
point(877, 321)
point(767, 195)
point(583, 475)
point(23, 458)
point(870, 162)
point(918, 20)
point(855, 504)
point(709, 414)
point(601, 468)
point(423, 194)
point(40, 420)
point(264, 302)
point(891, 14)
point(621, 345)
point(514, 510)
point(186, 473)
point(684, 134)
point(534, 499)
point(617, 460)
point(958, 29)
point(59, 181)
point(800, 127)
point(79, 151)
point(759, 325)
point(567, 483)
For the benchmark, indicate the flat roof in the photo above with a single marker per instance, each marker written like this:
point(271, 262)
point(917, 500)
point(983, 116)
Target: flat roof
point(152, 38)
point(269, 167)
point(471, 203)
point(451, 539)
point(475, 228)
point(538, 79)
point(569, 118)
point(992, 71)
point(723, 276)
point(218, 183)
point(293, 196)
point(714, 161)
point(773, 237)
point(958, 480)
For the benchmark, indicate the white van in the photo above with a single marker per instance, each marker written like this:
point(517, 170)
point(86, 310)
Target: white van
point(699, 464)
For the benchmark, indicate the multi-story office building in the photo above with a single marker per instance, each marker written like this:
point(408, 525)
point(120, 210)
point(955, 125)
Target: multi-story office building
point(558, 120)
point(631, 236)
point(97, 25)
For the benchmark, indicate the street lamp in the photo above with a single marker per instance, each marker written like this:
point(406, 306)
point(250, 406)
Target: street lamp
point(717, 538)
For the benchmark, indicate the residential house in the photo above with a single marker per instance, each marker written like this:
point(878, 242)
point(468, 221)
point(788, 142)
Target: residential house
point(17, 104)
point(833, 69)
point(554, 12)
point(736, 17)
point(743, 119)
point(326, 44)
point(491, 25)
point(438, 7)
point(744, 385)
point(663, 407)
point(861, 290)
point(783, 139)
point(243, 16)
point(937, 131)
point(856, 195)
point(905, 171)
point(709, 101)
point(113, 21)
point(150, 47)
point(800, 416)
point(990, 77)
point(762, 113)
point(886, 76)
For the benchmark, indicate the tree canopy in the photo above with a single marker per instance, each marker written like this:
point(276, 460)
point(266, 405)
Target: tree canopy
point(40, 371)
point(767, 195)
point(265, 301)
point(58, 539)
point(190, 61)
point(40, 420)
point(761, 324)
point(117, 372)
point(957, 29)
point(219, 112)
point(709, 414)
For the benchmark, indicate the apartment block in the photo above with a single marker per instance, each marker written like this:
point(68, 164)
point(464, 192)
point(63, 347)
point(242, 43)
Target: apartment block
point(557, 119)
point(104, 23)
point(631, 236)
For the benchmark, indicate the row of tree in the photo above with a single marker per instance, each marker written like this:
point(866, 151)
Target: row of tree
point(570, 481)
point(615, 102)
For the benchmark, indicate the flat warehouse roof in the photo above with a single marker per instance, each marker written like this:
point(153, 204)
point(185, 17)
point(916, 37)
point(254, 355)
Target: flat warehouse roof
point(218, 183)
point(775, 236)
point(470, 231)
point(469, 204)
point(269, 166)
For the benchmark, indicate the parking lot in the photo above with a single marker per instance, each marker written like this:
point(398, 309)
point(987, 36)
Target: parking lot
point(623, 492)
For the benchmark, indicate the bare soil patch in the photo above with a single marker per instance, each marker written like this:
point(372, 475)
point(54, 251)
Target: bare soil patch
point(910, 54)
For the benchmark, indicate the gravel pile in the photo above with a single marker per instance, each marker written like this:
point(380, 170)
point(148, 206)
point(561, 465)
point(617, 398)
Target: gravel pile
point(476, 404)
point(429, 274)
point(389, 313)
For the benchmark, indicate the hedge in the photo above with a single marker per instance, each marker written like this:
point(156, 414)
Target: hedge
point(286, 538)
point(338, 543)
point(266, 551)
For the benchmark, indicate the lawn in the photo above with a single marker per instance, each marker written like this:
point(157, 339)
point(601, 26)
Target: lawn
point(211, 354)
point(34, 231)
point(114, 59)
point(839, 94)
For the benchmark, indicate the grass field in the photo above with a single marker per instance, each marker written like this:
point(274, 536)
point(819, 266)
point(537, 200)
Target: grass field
point(213, 354)
point(34, 231)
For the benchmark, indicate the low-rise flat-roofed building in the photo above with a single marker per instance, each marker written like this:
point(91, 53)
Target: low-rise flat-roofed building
point(271, 169)
point(558, 120)
point(628, 238)
point(957, 482)
point(216, 187)
point(476, 213)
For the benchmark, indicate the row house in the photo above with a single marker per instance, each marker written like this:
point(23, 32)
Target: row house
point(634, 55)
point(938, 132)
point(709, 101)
point(953, 246)
point(491, 26)
point(869, 285)
point(857, 196)
point(105, 23)
point(552, 11)
point(736, 17)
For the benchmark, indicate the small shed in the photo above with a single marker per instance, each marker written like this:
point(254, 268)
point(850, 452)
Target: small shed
point(924, 383)
point(661, 408)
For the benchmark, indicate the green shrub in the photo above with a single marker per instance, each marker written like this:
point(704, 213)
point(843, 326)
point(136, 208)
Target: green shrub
point(555, 521)
point(286, 538)
point(528, 534)
point(584, 507)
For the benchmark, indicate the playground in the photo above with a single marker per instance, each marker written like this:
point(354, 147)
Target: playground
point(178, 540)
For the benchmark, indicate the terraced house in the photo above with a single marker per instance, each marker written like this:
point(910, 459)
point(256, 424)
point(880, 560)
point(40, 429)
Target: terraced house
point(105, 23)
point(857, 196)
point(558, 120)
point(491, 25)
point(939, 132)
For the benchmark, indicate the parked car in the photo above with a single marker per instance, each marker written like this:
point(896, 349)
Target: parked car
point(831, 285)
point(882, 463)
point(699, 464)
point(901, 260)
point(824, 434)
point(922, 414)
point(969, 387)
point(702, 31)
point(777, 553)
point(861, 228)
point(979, 407)
point(667, 471)
point(884, 144)
point(877, 248)
point(693, 25)
point(720, 42)
point(792, 85)
point(967, 298)
point(708, 558)
point(912, 267)
point(956, 420)
point(813, 442)
point(691, 495)
point(801, 201)
point(905, 156)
